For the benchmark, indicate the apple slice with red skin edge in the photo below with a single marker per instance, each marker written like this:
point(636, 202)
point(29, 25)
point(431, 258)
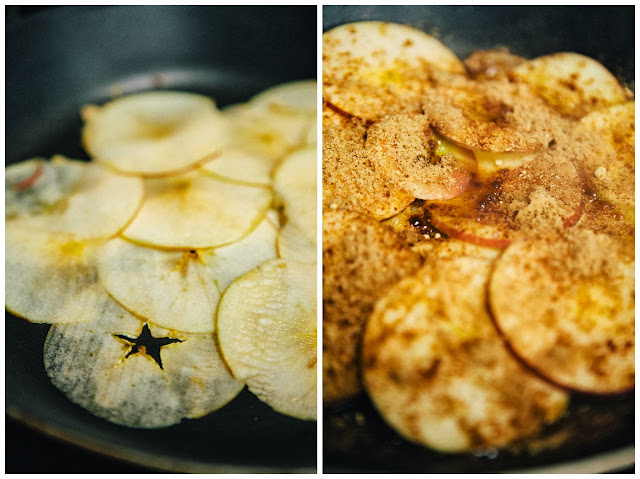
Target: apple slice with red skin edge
point(491, 116)
point(241, 167)
point(572, 83)
point(369, 68)
point(156, 383)
point(154, 133)
point(70, 197)
point(267, 331)
point(423, 163)
point(195, 210)
point(438, 371)
point(361, 259)
point(566, 307)
point(539, 196)
point(349, 181)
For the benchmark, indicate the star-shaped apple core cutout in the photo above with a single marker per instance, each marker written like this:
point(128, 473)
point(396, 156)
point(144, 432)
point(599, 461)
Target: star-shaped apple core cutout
point(147, 344)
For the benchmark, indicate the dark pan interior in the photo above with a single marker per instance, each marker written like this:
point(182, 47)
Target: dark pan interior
point(60, 59)
point(354, 436)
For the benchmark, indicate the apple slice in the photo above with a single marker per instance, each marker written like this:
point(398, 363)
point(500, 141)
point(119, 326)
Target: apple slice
point(294, 184)
point(542, 195)
point(421, 162)
point(51, 278)
point(572, 83)
point(70, 197)
point(135, 374)
point(296, 97)
point(495, 64)
point(267, 330)
point(241, 167)
point(373, 68)
point(349, 180)
point(566, 307)
point(180, 290)
point(438, 371)
point(493, 116)
point(293, 244)
point(154, 133)
point(361, 259)
point(195, 210)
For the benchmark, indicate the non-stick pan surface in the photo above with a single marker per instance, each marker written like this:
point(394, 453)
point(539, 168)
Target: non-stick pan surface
point(58, 60)
point(601, 431)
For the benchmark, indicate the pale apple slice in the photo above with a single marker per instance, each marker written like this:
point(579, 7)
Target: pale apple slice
point(438, 371)
point(241, 167)
point(373, 68)
point(71, 197)
point(349, 180)
point(420, 161)
point(572, 83)
point(154, 133)
point(294, 184)
point(493, 116)
point(295, 245)
point(541, 195)
point(51, 278)
point(267, 330)
point(361, 259)
point(566, 307)
point(195, 210)
point(296, 97)
point(136, 374)
point(180, 290)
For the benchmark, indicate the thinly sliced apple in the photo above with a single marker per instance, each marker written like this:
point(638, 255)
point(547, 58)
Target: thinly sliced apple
point(240, 167)
point(420, 161)
point(542, 195)
point(295, 245)
point(180, 290)
point(51, 278)
point(267, 332)
point(572, 83)
point(349, 180)
point(375, 68)
point(70, 197)
point(294, 183)
point(438, 371)
point(135, 374)
point(361, 259)
point(493, 116)
point(495, 64)
point(296, 97)
point(566, 307)
point(154, 133)
point(195, 210)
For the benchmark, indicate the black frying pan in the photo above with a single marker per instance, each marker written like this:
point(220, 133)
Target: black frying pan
point(601, 431)
point(60, 59)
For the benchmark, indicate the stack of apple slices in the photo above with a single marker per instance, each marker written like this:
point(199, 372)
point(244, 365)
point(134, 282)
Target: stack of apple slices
point(129, 255)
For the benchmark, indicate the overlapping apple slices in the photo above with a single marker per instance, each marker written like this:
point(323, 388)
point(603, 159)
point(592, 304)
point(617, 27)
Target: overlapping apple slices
point(439, 372)
point(154, 133)
point(267, 331)
point(137, 374)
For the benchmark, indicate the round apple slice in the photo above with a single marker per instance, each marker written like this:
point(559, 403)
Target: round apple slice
point(492, 116)
point(542, 195)
point(572, 83)
point(349, 180)
point(267, 330)
point(154, 133)
point(372, 68)
point(361, 259)
point(71, 197)
point(241, 167)
point(294, 183)
point(296, 97)
point(136, 374)
point(180, 290)
point(195, 210)
point(439, 372)
point(51, 278)
point(566, 307)
point(421, 162)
